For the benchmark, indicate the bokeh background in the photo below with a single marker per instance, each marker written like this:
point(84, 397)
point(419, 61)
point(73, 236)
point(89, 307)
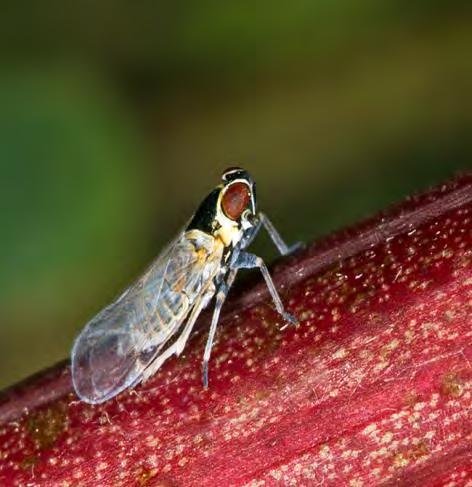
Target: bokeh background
point(117, 117)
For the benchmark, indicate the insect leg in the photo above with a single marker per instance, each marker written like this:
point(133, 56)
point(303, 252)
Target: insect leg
point(220, 299)
point(251, 235)
point(177, 347)
point(246, 260)
point(282, 247)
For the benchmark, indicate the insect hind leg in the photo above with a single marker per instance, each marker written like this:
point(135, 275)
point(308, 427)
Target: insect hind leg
point(220, 299)
point(178, 346)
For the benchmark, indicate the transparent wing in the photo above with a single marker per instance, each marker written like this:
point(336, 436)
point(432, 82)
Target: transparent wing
point(115, 347)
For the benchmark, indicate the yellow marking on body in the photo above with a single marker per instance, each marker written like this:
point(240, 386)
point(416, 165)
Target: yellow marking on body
point(202, 255)
point(228, 234)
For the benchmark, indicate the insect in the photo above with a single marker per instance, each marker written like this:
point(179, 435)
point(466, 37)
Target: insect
point(129, 340)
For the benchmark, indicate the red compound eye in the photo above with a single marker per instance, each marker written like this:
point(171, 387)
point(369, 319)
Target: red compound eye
point(235, 200)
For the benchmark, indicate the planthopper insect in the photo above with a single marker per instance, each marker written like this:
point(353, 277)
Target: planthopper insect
point(129, 340)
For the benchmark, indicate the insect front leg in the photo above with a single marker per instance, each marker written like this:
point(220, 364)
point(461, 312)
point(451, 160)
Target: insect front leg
point(177, 347)
point(250, 235)
point(246, 260)
point(220, 299)
point(282, 247)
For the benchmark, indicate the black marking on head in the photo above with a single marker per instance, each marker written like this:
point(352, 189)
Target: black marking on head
point(234, 173)
point(206, 213)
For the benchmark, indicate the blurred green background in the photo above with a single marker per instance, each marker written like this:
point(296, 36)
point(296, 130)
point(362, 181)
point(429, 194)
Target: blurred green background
point(117, 117)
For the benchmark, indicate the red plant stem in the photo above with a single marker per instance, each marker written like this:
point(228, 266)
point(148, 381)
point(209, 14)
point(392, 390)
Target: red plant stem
point(373, 387)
